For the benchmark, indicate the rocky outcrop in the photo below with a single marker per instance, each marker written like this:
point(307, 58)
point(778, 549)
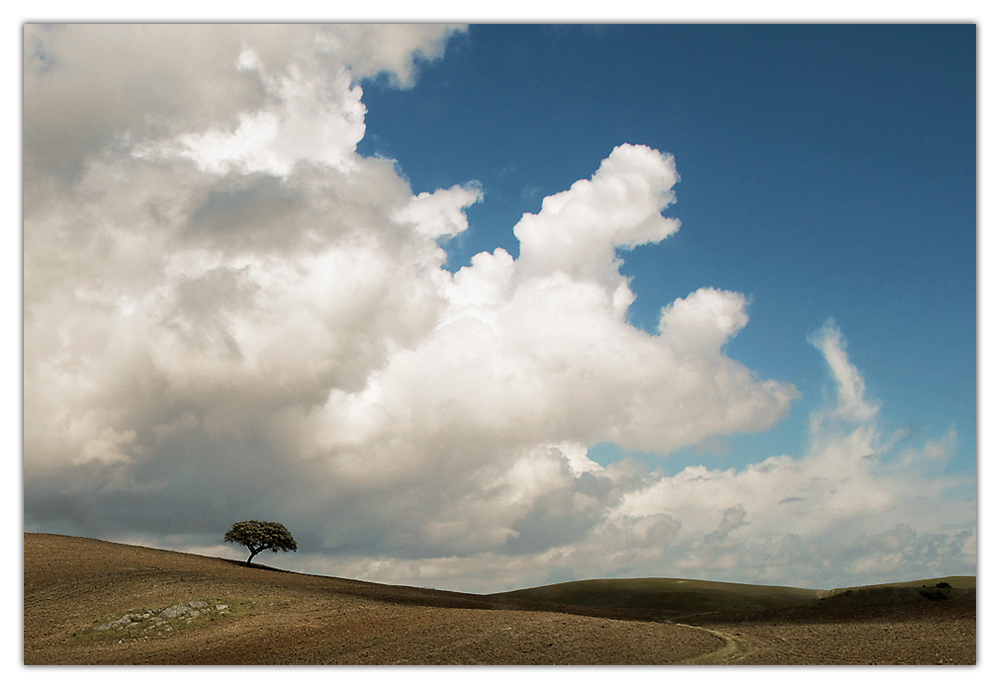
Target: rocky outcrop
point(163, 619)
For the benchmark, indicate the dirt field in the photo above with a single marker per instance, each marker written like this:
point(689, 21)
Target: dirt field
point(928, 633)
point(265, 616)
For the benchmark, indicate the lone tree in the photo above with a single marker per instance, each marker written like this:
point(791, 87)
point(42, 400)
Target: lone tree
point(260, 536)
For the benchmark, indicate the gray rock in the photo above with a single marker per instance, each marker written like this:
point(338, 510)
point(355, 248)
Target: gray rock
point(176, 611)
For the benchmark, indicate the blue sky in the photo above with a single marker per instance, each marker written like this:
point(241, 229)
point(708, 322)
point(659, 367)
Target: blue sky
point(485, 307)
point(828, 171)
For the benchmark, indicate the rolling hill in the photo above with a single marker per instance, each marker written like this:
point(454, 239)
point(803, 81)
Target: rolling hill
point(673, 598)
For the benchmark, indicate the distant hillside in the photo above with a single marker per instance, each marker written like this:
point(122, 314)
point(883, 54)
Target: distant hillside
point(895, 593)
point(963, 583)
point(690, 596)
point(669, 595)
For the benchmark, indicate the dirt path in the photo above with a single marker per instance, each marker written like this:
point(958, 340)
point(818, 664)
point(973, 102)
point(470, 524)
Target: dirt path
point(734, 650)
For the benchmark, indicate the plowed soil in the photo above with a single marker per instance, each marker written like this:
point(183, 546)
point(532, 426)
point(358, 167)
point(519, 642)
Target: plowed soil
point(926, 633)
point(71, 585)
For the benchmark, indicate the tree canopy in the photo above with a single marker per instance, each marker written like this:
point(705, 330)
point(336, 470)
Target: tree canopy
point(260, 536)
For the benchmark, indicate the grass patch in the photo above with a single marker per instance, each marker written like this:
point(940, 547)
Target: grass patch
point(695, 596)
point(674, 595)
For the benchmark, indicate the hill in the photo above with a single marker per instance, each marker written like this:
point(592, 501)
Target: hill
point(671, 596)
point(684, 598)
point(94, 602)
point(74, 586)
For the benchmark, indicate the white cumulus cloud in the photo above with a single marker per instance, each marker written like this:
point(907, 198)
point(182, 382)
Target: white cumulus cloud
point(230, 314)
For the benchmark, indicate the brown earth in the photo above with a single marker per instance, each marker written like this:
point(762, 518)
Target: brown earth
point(274, 617)
point(70, 584)
point(920, 633)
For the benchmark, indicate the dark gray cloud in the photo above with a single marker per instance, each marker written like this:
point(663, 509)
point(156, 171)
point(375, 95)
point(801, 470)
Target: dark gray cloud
point(244, 211)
